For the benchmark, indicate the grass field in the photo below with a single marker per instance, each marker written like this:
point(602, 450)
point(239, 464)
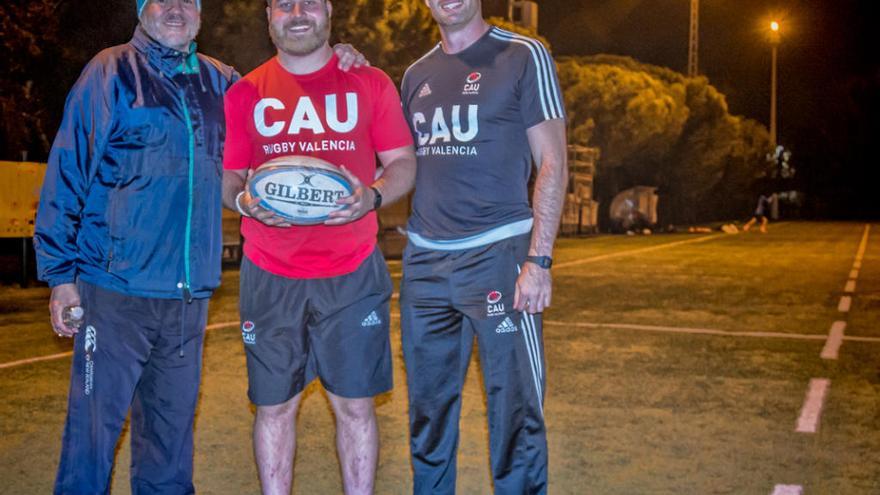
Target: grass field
point(677, 364)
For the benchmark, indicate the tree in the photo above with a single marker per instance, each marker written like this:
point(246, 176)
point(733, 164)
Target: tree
point(28, 37)
point(657, 127)
point(44, 45)
point(237, 33)
point(392, 33)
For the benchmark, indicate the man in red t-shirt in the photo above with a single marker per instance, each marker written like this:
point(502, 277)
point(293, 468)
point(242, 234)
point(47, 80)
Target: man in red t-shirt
point(315, 299)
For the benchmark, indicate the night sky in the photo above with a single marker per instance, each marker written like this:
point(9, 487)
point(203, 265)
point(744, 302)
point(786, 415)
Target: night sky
point(823, 41)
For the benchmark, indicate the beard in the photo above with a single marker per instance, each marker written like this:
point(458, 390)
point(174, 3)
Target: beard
point(305, 44)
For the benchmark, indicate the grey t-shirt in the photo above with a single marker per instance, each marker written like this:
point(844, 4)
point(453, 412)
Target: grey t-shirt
point(469, 113)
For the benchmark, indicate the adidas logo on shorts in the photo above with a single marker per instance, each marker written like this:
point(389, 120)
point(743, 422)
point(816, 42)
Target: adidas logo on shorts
point(371, 320)
point(506, 326)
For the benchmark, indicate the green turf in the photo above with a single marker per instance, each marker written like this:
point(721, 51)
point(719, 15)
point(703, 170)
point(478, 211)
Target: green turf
point(628, 412)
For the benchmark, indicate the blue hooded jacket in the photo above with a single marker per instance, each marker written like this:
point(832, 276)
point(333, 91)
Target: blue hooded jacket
point(131, 199)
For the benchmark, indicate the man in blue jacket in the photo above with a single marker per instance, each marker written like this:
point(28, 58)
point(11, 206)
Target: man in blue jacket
point(129, 229)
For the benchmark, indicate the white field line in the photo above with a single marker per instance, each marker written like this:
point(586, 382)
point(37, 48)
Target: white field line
point(62, 355)
point(635, 251)
point(863, 244)
point(861, 339)
point(845, 304)
point(788, 490)
point(808, 422)
point(690, 331)
point(835, 339)
point(857, 265)
point(707, 331)
point(22, 362)
point(623, 326)
point(224, 324)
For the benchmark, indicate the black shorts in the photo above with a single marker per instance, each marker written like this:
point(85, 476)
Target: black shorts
point(333, 328)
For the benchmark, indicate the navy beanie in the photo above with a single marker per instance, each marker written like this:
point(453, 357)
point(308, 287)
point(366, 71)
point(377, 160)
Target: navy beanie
point(143, 3)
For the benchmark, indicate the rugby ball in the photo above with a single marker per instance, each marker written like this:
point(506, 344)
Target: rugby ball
point(301, 189)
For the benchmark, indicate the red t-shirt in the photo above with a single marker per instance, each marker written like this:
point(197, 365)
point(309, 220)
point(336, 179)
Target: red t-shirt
point(341, 117)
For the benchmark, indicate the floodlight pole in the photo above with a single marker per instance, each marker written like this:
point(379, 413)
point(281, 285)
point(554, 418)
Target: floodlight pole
point(694, 40)
point(774, 47)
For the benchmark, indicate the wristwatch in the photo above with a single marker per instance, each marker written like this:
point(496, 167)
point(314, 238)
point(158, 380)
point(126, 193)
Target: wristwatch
point(544, 262)
point(377, 201)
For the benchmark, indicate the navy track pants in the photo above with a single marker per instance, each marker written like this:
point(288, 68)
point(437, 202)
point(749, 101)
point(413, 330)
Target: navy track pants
point(447, 299)
point(128, 355)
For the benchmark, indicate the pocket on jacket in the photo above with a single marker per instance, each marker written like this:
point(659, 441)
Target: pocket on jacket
point(142, 127)
point(145, 135)
point(146, 145)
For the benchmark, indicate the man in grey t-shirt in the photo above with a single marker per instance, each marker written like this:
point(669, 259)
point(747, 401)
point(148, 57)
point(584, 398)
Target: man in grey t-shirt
point(482, 105)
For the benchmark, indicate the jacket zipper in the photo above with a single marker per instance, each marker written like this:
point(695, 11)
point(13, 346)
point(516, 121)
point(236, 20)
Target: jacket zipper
point(187, 295)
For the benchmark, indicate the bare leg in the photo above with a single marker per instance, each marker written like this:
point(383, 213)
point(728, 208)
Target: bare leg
point(764, 223)
point(357, 442)
point(275, 445)
point(749, 224)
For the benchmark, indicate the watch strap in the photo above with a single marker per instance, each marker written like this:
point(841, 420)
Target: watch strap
point(377, 198)
point(543, 261)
